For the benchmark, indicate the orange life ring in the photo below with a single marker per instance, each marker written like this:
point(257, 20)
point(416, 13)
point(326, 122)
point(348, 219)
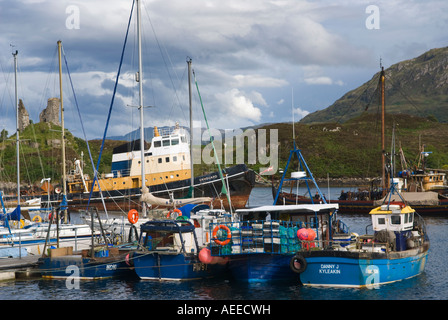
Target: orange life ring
point(229, 235)
point(133, 216)
point(179, 213)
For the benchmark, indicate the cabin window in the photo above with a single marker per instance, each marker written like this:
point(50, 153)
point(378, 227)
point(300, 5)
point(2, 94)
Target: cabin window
point(166, 142)
point(157, 144)
point(175, 142)
point(183, 139)
point(382, 220)
point(395, 219)
point(406, 218)
point(174, 158)
point(159, 160)
point(411, 217)
point(167, 159)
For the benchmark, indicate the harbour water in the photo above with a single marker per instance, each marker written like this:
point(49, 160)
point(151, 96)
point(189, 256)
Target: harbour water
point(431, 285)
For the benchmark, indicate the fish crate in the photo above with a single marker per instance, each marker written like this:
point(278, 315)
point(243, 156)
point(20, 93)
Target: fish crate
point(271, 244)
point(271, 228)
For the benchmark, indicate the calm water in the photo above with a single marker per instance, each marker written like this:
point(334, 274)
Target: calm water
point(431, 285)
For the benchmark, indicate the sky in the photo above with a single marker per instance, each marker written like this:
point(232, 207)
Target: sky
point(254, 61)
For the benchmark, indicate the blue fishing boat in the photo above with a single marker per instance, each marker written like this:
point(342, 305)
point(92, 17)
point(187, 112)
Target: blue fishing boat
point(101, 260)
point(261, 241)
point(100, 263)
point(396, 250)
point(169, 250)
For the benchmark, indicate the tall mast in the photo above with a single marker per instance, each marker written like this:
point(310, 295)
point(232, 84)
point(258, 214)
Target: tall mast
point(17, 128)
point(140, 104)
point(191, 129)
point(64, 177)
point(383, 148)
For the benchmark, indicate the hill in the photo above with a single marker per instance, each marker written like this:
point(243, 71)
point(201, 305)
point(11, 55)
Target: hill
point(40, 155)
point(417, 86)
point(352, 149)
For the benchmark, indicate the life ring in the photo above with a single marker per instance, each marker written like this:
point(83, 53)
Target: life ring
point(229, 235)
point(37, 219)
point(298, 264)
point(169, 215)
point(133, 216)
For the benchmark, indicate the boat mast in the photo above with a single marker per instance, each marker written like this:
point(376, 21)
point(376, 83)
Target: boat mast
point(17, 128)
point(191, 129)
point(140, 104)
point(383, 148)
point(64, 177)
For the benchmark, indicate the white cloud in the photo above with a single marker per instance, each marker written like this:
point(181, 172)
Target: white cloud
point(301, 113)
point(254, 80)
point(237, 105)
point(247, 53)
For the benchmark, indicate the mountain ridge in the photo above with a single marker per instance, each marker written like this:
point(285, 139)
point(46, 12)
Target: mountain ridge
point(418, 86)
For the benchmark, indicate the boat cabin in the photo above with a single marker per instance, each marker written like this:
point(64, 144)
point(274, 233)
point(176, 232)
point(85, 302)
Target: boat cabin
point(170, 236)
point(392, 217)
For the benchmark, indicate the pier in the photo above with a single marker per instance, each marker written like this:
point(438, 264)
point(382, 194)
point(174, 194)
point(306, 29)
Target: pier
point(11, 268)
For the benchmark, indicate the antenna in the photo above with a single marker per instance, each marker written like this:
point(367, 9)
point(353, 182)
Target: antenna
point(292, 107)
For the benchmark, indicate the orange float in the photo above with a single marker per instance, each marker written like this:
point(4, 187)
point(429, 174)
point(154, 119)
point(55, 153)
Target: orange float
point(133, 216)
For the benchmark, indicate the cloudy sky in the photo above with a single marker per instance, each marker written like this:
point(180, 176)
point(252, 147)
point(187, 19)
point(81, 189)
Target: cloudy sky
point(255, 61)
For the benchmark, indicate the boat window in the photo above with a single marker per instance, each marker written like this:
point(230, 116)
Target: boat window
point(159, 160)
point(157, 144)
point(166, 142)
point(183, 139)
point(175, 142)
point(411, 217)
point(167, 159)
point(381, 221)
point(406, 217)
point(174, 158)
point(395, 219)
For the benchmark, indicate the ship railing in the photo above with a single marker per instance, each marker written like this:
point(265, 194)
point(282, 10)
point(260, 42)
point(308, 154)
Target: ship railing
point(255, 236)
point(120, 173)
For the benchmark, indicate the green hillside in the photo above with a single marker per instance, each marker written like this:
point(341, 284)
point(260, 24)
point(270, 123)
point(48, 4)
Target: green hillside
point(348, 150)
point(40, 154)
point(353, 149)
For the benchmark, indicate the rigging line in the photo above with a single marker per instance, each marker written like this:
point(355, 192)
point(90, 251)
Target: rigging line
point(356, 100)
point(77, 107)
point(95, 178)
point(405, 96)
point(165, 62)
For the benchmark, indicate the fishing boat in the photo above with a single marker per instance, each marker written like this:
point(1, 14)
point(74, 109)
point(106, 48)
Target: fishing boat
point(169, 250)
point(396, 250)
point(423, 189)
point(260, 242)
point(101, 260)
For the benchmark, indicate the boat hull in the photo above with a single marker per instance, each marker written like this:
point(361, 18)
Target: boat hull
point(84, 268)
point(261, 267)
point(340, 269)
point(174, 267)
point(240, 181)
